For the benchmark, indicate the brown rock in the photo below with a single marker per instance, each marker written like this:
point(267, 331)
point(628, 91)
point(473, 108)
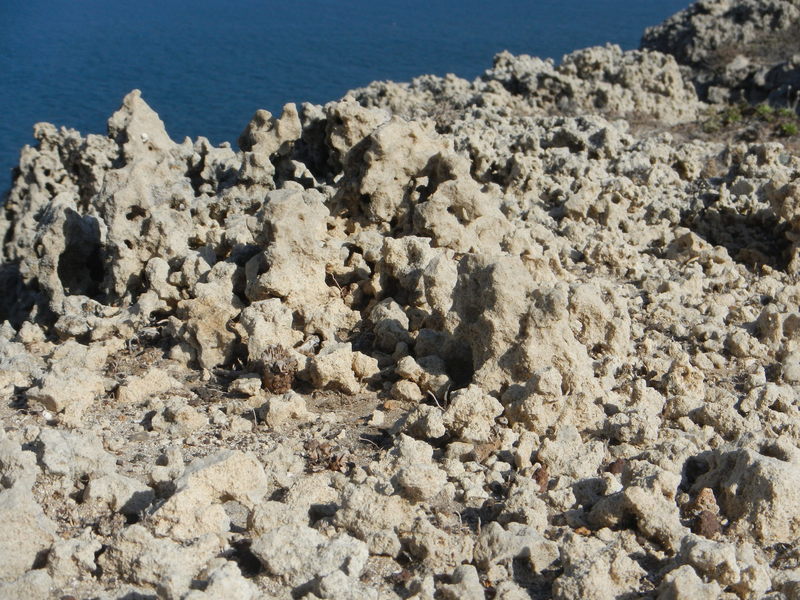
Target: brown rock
point(542, 477)
point(707, 524)
point(704, 501)
point(617, 467)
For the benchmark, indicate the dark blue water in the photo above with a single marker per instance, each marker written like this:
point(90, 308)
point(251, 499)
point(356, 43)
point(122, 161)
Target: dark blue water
point(207, 65)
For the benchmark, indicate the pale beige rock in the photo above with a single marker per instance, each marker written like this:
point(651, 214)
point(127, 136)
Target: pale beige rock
point(195, 508)
point(525, 505)
point(348, 123)
point(25, 532)
point(406, 391)
point(137, 127)
point(17, 466)
point(470, 414)
point(603, 318)
point(760, 494)
point(511, 591)
point(73, 455)
point(314, 496)
point(285, 552)
point(428, 372)
point(138, 557)
point(786, 583)
point(33, 585)
point(466, 585)
point(567, 454)
point(73, 558)
point(593, 322)
point(420, 482)
point(364, 366)
point(206, 318)
point(684, 584)
point(225, 582)
point(267, 323)
point(157, 272)
point(145, 208)
point(140, 389)
point(280, 411)
point(714, 560)
point(373, 518)
point(293, 232)
point(423, 421)
point(248, 384)
point(490, 317)
point(588, 571)
point(271, 514)
point(339, 585)
point(649, 495)
point(440, 549)
point(643, 82)
point(70, 392)
point(267, 135)
point(390, 324)
point(496, 545)
point(169, 467)
point(175, 416)
point(119, 493)
point(332, 368)
point(393, 155)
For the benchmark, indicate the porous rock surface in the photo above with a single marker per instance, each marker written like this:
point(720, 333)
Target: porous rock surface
point(441, 339)
point(736, 49)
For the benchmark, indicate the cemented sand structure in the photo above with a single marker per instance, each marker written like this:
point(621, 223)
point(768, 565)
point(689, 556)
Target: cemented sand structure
point(520, 337)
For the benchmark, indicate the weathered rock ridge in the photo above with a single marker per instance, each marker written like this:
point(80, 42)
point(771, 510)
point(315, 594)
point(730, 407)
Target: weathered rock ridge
point(438, 339)
point(737, 49)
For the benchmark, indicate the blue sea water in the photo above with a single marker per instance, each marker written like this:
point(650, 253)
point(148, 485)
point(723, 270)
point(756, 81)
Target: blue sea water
point(206, 65)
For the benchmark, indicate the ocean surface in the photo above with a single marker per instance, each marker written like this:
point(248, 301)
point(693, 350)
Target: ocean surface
point(206, 65)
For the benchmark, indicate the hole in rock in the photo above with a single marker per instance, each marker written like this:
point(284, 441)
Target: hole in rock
point(135, 212)
point(247, 562)
point(80, 265)
point(253, 208)
point(320, 511)
point(18, 298)
point(751, 237)
point(774, 451)
point(381, 441)
point(147, 420)
point(98, 571)
point(40, 561)
point(278, 495)
point(459, 367)
point(693, 469)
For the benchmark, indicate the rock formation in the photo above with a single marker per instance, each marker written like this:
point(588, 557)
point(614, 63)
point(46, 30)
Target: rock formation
point(514, 338)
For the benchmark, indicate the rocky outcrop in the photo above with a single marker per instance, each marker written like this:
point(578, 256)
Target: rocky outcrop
point(440, 339)
point(736, 49)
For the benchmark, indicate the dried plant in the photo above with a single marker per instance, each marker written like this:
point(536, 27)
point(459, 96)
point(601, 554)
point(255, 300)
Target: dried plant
point(278, 369)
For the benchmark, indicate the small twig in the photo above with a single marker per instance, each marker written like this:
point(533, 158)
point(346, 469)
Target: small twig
point(336, 283)
point(255, 416)
point(363, 439)
point(432, 395)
